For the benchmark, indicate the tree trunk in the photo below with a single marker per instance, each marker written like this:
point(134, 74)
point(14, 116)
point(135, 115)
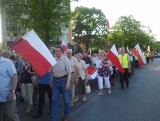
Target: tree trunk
point(87, 46)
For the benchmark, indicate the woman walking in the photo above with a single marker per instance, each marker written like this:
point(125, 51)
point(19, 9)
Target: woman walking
point(103, 73)
point(82, 78)
point(27, 85)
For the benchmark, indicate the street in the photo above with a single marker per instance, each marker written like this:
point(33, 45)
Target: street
point(140, 102)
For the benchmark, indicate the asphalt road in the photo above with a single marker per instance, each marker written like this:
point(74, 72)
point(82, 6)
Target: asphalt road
point(140, 102)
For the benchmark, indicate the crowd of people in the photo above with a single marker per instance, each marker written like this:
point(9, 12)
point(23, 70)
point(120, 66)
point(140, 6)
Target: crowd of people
point(67, 78)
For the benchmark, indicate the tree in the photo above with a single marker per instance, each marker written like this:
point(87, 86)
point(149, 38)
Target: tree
point(47, 17)
point(128, 32)
point(89, 26)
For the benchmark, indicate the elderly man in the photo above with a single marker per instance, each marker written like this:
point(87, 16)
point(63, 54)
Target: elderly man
point(74, 75)
point(8, 83)
point(124, 60)
point(60, 83)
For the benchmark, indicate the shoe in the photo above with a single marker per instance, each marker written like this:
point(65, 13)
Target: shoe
point(76, 100)
point(21, 99)
point(37, 116)
point(29, 109)
point(65, 118)
point(100, 93)
point(71, 105)
point(84, 99)
point(121, 88)
point(112, 84)
point(109, 91)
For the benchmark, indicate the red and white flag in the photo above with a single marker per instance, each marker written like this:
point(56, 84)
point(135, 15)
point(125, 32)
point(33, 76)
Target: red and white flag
point(140, 52)
point(113, 56)
point(31, 47)
point(137, 51)
point(90, 52)
point(148, 49)
point(127, 50)
point(107, 24)
point(64, 46)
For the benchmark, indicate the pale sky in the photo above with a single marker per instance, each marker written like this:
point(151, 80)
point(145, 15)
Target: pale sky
point(146, 11)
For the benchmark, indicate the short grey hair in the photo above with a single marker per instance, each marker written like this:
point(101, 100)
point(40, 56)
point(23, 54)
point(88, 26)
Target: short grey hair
point(80, 55)
point(69, 50)
point(102, 51)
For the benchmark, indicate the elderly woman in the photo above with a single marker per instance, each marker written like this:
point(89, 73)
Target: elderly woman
point(82, 78)
point(103, 72)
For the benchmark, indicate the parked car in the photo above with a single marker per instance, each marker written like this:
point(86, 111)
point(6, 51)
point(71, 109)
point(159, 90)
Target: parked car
point(156, 55)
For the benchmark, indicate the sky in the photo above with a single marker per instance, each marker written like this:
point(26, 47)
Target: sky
point(146, 11)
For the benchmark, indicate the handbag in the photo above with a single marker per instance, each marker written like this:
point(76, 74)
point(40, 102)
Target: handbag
point(87, 88)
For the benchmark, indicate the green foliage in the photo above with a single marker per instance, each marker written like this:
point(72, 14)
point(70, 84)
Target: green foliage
point(155, 47)
point(128, 32)
point(89, 27)
point(46, 17)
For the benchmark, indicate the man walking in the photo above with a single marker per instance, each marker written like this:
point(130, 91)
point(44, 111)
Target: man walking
point(60, 83)
point(124, 60)
point(8, 83)
point(43, 86)
point(74, 74)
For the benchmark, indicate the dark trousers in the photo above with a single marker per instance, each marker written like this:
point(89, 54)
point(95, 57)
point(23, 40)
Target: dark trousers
point(124, 77)
point(147, 59)
point(42, 88)
point(35, 95)
point(81, 86)
point(136, 63)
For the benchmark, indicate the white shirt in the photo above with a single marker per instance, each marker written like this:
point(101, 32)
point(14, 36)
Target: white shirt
point(82, 66)
point(94, 59)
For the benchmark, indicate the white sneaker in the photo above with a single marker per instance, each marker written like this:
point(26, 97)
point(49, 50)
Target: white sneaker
point(84, 99)
point(100, 93)
point(76, 100)
point(109, 91)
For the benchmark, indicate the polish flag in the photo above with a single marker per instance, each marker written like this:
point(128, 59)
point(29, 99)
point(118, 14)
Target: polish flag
point(127, 50)
point(107, 24)
point(140, 52)
point(90, 52)
point(90, 69)
point(137, 51)
point(31, 47)
point(64, 46)
point(148, 49)
point(113, 56)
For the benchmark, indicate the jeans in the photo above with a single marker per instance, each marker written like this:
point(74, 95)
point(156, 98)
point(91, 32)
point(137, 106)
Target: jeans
point(57, 89)
point(9, 110)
